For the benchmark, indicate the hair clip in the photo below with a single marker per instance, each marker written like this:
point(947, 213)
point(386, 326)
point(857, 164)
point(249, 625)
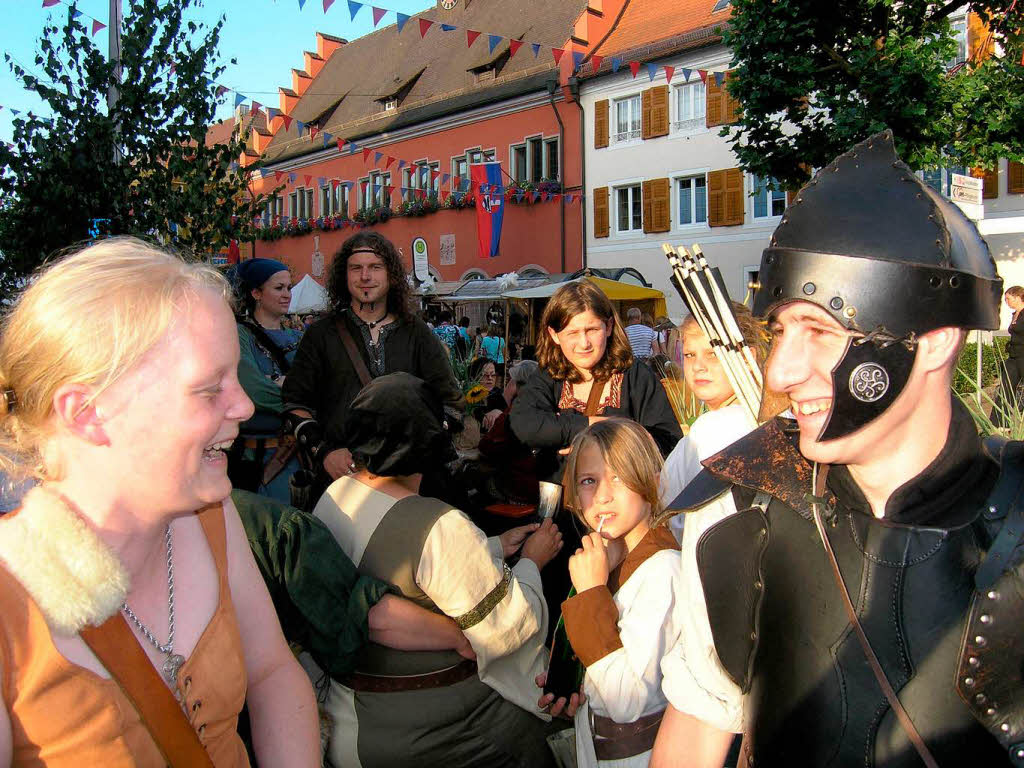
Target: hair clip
point(10, 399)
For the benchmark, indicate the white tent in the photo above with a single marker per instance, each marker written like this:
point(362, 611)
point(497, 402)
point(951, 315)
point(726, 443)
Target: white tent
point(307, 296)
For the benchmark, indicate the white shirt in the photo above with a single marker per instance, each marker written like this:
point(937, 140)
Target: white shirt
point(709, 434)
point(640, 339)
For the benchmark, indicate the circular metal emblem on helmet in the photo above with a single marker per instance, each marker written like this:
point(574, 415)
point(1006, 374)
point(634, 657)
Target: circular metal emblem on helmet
point(869, 382)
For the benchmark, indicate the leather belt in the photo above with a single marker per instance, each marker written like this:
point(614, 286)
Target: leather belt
point(364, 683)
point(255, 443)
point(615, 741)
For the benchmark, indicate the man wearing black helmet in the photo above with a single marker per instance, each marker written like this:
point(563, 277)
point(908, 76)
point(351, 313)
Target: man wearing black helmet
point(864, 609)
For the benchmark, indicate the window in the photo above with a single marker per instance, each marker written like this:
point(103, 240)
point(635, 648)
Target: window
point(551, 159)
point(627, 118)
point(519, 171)
point(693, 200)
point(293, 205)
point(390, 104)
point(769, 199)
point(629, 209)
point(339, 201)
point(273, 211)
point(960, 36)
point(374, 193)
point(300, 203)
point(720, 5)
point(691, 106)
point(325, 201)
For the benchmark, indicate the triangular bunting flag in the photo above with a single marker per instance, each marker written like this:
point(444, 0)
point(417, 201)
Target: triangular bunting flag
point(595, 62)
point(634, 67)
point(513, 46)
point(278, 175)
point(301, 3)
point(686, 74)
point(719, 78)
point(300, 126)
point(307, 178)
point(352, 147)
point(75, 13)
point(328, 4)
point(434, 174)
point(402, 18)
point(669, 71)
point(390, 162)
point(287, 121)
point(366, 154)
point(327, 139)
point(568, 198)
point(341, 145)
point(536, 49)
point(557, 53)
point(703, 75)
point(378, 14)
point(425, 24)
point(401, 164)
point(445, 177)
point(48, 3)
point(544, 196)
point(239, 99)
point(577, 59)
point(492, 42)
point(313, 131)
point(652, 70)
point(448, 27)
point(349, 184)
point(377, 157)
point(221, 90)
point(272, 113)
point(292, 177)
point(172, 68)
point(255, 107)
point(471, 36)
point(321, 180)
point(520, 194)
point(97, 26)
point(535, 196)
point(335, 183)
point(353, 9)
point(616, 63)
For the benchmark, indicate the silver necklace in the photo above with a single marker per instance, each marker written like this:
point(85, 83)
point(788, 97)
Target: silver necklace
point(174, 661)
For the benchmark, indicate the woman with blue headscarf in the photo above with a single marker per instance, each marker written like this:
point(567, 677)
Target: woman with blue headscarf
point(262, 460)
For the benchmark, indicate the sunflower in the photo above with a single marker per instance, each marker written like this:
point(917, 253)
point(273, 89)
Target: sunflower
point(476, 394)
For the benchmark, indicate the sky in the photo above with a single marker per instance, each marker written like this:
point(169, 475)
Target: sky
point(266, 37)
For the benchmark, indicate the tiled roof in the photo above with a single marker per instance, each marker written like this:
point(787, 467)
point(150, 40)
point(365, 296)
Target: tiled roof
point(345, 95)
point(219, 133)
point(648, 27)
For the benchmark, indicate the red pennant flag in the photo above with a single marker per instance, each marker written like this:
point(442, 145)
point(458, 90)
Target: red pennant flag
point(378, 14)
point(544, 196)
point(48, 3)
point(390, 162)
point(255, 108)
point(595, 62)
point(703, 75)
point(287, 121)
point(669, 71)
point(335, 183)
point(96, 25)
point(471, 36)
point(278, 175)
point(341, 144)
point(434, 175)
point(366, 154)
point(313, 131)
point(557, 53)
point(328, 4)
point(634, 67)
point(308, 178)
point(513, 46)
point(425, 24)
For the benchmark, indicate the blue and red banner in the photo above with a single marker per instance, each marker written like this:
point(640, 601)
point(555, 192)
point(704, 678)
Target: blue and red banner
point(490, 206)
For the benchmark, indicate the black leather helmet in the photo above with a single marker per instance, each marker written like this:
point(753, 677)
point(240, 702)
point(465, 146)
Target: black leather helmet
point(873, 245)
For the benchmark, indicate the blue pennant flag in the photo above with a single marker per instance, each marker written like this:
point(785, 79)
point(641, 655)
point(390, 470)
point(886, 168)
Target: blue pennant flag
point(272, 113)
point(301, 126)
point(401, 164)
point(353, 8)
point(327, 139)
point(291, 177)
point(301, 3)
point(376, 189)
point(75, 13)
point(577, 59)
point(445, 177)
point(15, 111)
point(321, 180)
point(349, 184)
point(492, 41)
point(448, 27)
point(536, 49)
point(652, 70)
point(377, 156)
point(520, 194)
point(239, 98)
point(352, 147)
point(719, 77)
point(535, 195)
point(402, 18)
point(464, 185)
point(616, 63)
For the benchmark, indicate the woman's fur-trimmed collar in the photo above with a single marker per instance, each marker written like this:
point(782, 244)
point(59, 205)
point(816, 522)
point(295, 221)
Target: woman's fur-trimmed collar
point(74, 578)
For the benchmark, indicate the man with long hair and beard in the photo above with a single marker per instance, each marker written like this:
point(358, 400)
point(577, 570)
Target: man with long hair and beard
point(370, 302)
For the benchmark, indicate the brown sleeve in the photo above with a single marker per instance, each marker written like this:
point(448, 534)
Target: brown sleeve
point(592, 624)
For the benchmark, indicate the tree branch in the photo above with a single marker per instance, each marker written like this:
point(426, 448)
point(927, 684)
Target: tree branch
point(947, 9)
point(842, 63)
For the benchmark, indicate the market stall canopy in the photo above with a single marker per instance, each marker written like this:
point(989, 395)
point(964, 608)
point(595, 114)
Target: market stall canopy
point(613, 289)
point(492, 289)
point(307, 296)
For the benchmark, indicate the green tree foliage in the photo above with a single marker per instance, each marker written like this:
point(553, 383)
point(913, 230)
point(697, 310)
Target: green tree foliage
point(815, 78)
point(167, 184)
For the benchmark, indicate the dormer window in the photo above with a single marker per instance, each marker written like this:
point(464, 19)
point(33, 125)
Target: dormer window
point(391, 104)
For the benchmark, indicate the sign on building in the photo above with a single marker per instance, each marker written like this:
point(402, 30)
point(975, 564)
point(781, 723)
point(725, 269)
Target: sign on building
point(447, 250)
point(965, 191)
point(419, 259)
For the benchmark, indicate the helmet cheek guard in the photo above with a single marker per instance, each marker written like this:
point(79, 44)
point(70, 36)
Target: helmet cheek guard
point(889, 259)
point(865, 382)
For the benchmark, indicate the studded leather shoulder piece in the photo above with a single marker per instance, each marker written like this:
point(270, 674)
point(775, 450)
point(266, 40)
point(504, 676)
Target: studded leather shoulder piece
point(729, 559)
point(990, 675)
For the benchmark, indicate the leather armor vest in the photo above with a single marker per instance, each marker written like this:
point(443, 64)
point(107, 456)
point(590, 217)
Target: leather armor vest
point(782, 633)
